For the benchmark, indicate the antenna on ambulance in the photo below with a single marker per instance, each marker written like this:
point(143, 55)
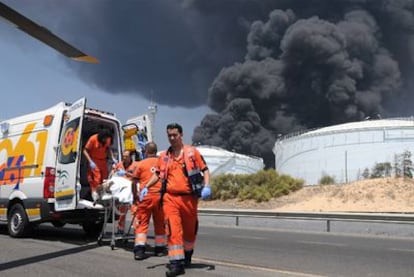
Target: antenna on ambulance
point(152, 110)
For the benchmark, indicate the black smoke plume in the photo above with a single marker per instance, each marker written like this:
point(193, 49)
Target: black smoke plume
point(312, 64)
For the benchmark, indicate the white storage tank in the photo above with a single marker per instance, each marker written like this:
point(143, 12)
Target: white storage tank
point(221, 161)
point(343, 151)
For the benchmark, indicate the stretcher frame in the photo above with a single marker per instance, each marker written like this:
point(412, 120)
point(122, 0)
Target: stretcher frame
point(110, 203)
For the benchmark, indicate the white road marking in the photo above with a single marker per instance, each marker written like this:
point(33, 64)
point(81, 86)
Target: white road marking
point(258, 268)
point(248, 237)
point(402, 250)
point(321, 243)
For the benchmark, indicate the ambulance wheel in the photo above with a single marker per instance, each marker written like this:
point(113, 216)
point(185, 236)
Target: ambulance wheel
point(92, 229)
point(18, 223)
point(58, 223)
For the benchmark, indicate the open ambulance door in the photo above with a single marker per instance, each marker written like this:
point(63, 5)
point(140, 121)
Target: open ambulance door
point(68, 158)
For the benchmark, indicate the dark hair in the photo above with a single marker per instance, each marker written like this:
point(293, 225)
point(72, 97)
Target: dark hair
point(151, 148)
point(103, 135)
point(175, 126)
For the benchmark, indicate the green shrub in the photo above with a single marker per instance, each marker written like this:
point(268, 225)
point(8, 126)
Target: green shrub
point(326, 180)
point(261, 186)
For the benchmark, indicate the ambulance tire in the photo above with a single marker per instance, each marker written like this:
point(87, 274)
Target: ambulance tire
point(58, 223)
point(18, 224)
point(92, 228)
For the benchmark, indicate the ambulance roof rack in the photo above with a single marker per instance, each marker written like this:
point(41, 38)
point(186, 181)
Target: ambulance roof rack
point(90, 110)
point(94, 111)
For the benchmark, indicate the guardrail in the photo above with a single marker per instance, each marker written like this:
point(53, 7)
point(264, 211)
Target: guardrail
point(396, 218)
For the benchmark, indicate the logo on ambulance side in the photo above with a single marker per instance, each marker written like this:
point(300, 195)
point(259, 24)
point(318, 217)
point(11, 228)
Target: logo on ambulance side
point(16, 152)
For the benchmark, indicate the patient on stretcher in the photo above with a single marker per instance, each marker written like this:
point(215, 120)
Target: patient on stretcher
point(115, 187)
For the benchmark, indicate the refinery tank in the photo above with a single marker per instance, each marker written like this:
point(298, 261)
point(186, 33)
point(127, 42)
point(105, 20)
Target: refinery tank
point(343, 151)
point(221, 161)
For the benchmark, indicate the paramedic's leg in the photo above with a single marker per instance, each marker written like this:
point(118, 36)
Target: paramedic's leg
point(123, 210)
point(190, 226)
point(159, 226)
point(94, 179)
point(144, 215)
point(172, 211)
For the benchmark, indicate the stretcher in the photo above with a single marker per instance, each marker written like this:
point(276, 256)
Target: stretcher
point(116, 191)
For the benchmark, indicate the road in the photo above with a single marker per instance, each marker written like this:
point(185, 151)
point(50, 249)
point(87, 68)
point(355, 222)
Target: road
point(220, 251)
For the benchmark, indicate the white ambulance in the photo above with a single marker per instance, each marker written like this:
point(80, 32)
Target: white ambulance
point(43, 173)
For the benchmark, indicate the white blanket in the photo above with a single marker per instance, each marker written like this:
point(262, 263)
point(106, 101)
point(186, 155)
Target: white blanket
point(121, 189)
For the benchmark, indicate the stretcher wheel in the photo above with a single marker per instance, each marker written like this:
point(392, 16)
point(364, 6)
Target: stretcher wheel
point(112, 246)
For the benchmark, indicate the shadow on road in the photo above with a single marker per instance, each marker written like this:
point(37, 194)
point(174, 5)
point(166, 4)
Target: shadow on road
point(52, 255)
point(207, 267)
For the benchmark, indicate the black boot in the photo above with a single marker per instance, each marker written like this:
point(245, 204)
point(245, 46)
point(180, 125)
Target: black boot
point(187, 260)
point(160, 251)
point(139, 252)
point(175, 268)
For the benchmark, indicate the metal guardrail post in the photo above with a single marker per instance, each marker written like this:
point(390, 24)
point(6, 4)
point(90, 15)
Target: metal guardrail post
point(328, 225)
point(237, 220)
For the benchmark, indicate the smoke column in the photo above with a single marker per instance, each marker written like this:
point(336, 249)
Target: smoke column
point(311, 65)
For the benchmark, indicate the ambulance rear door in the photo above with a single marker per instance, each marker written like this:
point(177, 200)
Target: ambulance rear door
point(68, 156)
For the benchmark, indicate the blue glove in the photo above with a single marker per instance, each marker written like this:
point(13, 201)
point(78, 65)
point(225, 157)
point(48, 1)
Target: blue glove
point(205, 192)
point(92, 165)
point(121, 172)
point(142, 194)
point(115, 161)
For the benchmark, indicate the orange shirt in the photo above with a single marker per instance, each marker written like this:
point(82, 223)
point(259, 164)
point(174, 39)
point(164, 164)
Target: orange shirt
point(130, 168)
point(177, 181)
point(144, 171)
point(95, 149)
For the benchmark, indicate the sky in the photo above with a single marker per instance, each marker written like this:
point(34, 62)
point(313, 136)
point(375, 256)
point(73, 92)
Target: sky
point(34, 76)
point(237, 74)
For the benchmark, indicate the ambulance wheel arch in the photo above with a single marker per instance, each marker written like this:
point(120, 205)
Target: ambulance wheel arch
point(18, 223)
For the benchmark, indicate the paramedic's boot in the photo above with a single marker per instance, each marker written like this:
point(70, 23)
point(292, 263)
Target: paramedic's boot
point(160, 251)
point(175, 268)
point(187, 257)
point(139, 252)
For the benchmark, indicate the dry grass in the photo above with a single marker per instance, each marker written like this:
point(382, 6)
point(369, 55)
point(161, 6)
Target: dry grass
point(373, 195)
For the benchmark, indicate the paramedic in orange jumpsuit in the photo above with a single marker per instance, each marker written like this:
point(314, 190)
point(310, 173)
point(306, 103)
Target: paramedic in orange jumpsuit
point(125, 168)
point(96, 151)
point(149, 205)
point(179, 202)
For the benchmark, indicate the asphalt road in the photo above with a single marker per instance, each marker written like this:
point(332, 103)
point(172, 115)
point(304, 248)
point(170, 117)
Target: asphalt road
point(220, 251)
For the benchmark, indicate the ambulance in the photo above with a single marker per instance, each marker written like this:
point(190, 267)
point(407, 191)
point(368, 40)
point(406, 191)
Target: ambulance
point(43, 173)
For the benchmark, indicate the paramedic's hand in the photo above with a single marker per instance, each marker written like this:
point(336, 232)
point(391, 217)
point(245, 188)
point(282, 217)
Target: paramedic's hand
point(206, 192)
point(121, 172)
point(142, 194)
point(92, 165)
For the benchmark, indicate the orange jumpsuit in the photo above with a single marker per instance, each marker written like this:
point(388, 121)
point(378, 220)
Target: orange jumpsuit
point(98, 153)
point(123, 209)
point(150, 205)
point(179, 203)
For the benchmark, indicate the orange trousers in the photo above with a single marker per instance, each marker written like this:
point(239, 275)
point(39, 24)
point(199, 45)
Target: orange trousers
point(97, 175)
point(180, 213)
point(150, 206)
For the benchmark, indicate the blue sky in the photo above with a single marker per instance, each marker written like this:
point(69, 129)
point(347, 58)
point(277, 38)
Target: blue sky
point(34, 76)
